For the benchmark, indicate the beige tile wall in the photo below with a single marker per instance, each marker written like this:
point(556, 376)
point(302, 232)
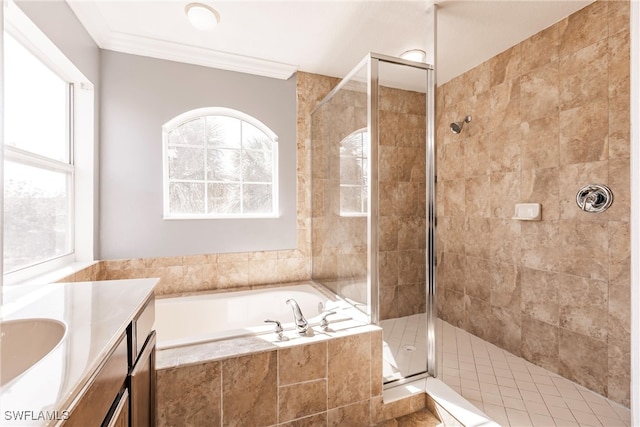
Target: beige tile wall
point(550, 115)
point(331, 383)
point(402, 203)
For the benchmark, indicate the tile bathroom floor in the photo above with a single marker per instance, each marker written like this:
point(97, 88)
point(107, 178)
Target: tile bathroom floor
point(509, 389)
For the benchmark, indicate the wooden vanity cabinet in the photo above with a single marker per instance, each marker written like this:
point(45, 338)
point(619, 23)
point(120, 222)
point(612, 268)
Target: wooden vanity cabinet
point(142, 371)
point(98, 397)
point(142, 383)
point(120, 416)
point(123, 391)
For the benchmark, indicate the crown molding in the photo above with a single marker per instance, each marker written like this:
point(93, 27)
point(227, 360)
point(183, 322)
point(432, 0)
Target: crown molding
point(91, 18)
point(179, 52)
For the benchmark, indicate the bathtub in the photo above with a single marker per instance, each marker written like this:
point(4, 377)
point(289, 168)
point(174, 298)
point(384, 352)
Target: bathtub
point(202, 318)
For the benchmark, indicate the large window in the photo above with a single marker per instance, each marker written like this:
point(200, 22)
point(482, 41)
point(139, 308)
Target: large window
point(42, 92)
point(219, 163)
point(354, 164)
point(38, 169)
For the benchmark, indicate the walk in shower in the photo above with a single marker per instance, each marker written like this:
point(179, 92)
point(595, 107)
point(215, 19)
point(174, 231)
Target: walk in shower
point(373, 204)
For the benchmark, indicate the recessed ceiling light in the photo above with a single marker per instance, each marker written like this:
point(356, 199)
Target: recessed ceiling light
point(201, 16)
point(417, 55)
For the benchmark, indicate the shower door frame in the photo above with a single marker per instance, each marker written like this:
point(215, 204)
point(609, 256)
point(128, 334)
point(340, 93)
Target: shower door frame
point(372, 227)
point(372, 61)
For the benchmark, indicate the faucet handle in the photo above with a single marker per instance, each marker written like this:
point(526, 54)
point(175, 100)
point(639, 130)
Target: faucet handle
point(278, 325)
point(324, 322)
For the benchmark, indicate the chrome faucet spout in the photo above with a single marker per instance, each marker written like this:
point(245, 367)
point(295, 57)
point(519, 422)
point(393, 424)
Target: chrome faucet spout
point(301, 322)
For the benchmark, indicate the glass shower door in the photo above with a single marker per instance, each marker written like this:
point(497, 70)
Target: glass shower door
point(370, 204)
point(402, 218)
point(340, 189)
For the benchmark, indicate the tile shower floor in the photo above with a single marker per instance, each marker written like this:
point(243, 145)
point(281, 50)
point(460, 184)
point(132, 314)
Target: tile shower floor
point(510, 390)
point(404, 346)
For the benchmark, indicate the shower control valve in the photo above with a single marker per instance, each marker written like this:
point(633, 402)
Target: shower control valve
point(324, 323)
point(594, 198)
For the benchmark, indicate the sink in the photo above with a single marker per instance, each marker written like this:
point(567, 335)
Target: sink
point(24, 342)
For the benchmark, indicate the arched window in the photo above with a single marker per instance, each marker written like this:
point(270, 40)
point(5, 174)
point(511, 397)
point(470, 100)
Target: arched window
point(354, 165)
point(219, 163)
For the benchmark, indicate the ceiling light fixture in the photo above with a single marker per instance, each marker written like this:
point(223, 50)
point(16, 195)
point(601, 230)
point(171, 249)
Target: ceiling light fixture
point(416, 55)
point(201, 16)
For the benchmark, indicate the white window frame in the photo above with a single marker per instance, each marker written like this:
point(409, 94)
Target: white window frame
point(218, 111)
point(364, 205)
point(81, 165)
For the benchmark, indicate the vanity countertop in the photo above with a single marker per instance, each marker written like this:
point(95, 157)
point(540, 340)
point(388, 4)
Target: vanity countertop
point(96, 314)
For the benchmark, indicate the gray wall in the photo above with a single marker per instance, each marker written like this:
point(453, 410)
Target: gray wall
point(139, 95)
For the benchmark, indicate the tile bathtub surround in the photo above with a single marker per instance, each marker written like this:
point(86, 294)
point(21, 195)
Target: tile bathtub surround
point(91, 273)
point(550, 115)
point(334, 382)
point(214, 271)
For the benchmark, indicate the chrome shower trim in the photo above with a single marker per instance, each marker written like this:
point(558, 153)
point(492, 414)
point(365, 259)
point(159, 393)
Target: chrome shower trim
point(432, 307)
point(407, 380)
point(358, 68)
point(400, 61)
point(373, 202)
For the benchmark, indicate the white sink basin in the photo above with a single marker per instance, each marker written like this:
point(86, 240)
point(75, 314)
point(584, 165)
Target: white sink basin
point(25, 342)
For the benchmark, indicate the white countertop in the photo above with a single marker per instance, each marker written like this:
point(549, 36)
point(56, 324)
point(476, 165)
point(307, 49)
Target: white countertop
point(96, 314)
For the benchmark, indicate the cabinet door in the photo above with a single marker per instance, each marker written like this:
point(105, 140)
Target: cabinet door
point(143, 386)
point(96, 402)
point(120, 416)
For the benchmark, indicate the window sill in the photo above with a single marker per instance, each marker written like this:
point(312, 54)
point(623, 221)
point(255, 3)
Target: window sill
point(201, 217)
point(353, 215)
point(54, 275)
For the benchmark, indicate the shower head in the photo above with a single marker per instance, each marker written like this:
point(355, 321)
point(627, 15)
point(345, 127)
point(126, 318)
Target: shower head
point(456, 127)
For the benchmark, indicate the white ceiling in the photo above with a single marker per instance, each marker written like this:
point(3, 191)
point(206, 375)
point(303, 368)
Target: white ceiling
point(276, 38)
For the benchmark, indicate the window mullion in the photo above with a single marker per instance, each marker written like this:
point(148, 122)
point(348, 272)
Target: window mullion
point(71, 202)
point(18, 155)
point(70, 124)
point(71, 180)
point(241, 171)
point(206, 163)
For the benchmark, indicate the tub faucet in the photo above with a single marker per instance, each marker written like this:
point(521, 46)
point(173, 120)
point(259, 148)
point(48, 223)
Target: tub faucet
point(301, 322)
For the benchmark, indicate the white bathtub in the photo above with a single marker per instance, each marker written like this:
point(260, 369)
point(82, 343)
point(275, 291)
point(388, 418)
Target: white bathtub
point(202, 318)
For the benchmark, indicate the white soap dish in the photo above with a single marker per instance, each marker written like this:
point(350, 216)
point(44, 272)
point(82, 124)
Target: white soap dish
point(527, 212)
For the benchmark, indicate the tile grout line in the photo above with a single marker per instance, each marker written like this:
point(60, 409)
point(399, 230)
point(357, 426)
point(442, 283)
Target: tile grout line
point(505, 358)
point(518, 385)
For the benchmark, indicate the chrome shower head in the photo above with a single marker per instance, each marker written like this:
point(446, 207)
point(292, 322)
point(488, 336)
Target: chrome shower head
point(456, 127)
